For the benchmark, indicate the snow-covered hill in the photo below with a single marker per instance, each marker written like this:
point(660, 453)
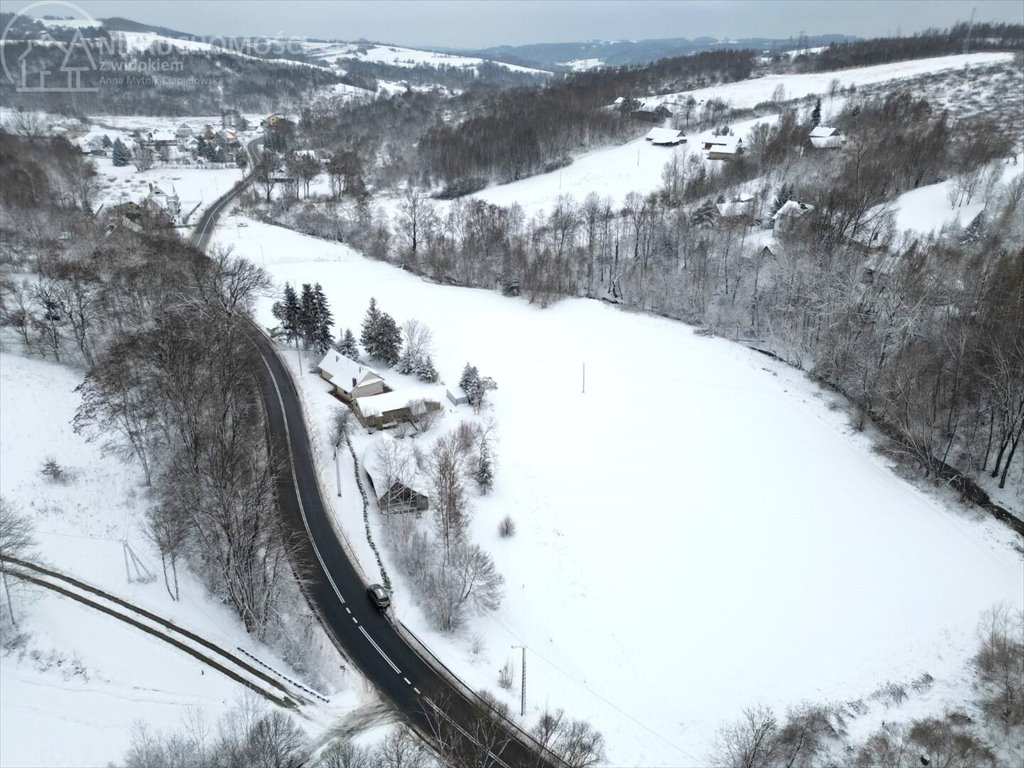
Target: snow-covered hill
point(749, 93)
point(397, 56)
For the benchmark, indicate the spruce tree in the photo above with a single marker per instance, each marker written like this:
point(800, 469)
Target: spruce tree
point(425, 370)
point(321, 321)
point(389, 340)
point(371, 329)
point(120, 154)
point(470, 382)
point(307, 315)
point(483, 473)
point(816, 114)
point(346, 345)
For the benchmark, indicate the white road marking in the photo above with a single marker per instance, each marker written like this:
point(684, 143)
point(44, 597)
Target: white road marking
point(389, 661)
point(407, 681)
point(348, 610)
point(417, 690)
point(355, 620)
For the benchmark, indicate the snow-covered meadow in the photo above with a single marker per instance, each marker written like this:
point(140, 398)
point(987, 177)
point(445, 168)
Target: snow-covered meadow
point(749, 93)
point(698, 531)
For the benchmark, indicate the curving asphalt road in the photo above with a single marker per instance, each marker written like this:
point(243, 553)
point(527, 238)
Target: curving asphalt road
point(429, 701)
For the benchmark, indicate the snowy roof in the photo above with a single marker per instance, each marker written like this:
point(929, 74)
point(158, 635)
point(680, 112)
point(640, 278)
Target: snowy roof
point(793, 208)
point(823, 131)
point(730, 147)
point(341, 370)
point(305, 153)
point(370, 405)
point(161, 136)
point(388, 461)
point(664, 136)
point(735, 207)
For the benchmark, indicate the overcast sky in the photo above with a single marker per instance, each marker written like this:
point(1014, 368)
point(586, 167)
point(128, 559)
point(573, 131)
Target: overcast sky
point(514, 22)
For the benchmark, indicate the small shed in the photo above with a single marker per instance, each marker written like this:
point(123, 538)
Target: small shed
point(665, 137)
point(349, 378)
point(393, 469)
point(458, 397)
point(826, 137)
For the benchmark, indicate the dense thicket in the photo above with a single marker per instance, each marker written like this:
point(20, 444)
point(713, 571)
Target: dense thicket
point(161, 330)
point(960, 38)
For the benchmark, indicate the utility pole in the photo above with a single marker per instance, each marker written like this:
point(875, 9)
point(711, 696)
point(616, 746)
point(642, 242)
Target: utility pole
point(522, 682)
point(584, 378)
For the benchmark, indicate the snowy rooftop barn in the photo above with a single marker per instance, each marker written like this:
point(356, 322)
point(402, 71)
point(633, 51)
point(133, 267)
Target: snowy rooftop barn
point(665, 137)
point(826, 137)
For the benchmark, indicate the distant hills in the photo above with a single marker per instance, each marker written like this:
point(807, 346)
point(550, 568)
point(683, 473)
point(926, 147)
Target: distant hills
point(624, 52)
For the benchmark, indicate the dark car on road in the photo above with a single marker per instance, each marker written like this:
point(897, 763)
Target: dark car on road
point(379, 596)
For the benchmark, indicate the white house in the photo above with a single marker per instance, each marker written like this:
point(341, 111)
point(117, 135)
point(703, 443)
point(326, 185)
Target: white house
point(665, 137)
point(395, 475)
point(825, 137)
point(349, 379)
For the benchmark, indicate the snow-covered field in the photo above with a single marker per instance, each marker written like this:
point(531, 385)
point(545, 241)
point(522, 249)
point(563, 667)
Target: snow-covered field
point(749, 93)
point(613, 172)
point(78, 712)
point(697, 532)
point(928, 208)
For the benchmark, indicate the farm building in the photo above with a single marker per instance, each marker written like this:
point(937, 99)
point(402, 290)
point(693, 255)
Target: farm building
point(349, 379)
point(665, 137)
point(728, 149)
point(390, 409)
point(395, 476)
point(825, 137)
point(458, 397)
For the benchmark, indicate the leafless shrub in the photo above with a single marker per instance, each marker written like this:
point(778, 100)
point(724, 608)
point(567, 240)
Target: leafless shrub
point(478, 645)
point(345, 754)
point(750, 742)
point(505, 676)
point(341, 425)
point(999, 665)
point(400, 749)
point(890, 694)
point(576, 742)
point(16, 540)
point(507, 527)
point(54, 472)
point(922, 683)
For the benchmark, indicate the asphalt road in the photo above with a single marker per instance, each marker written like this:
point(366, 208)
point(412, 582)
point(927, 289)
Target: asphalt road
point(208, 221)
point(429, 701)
